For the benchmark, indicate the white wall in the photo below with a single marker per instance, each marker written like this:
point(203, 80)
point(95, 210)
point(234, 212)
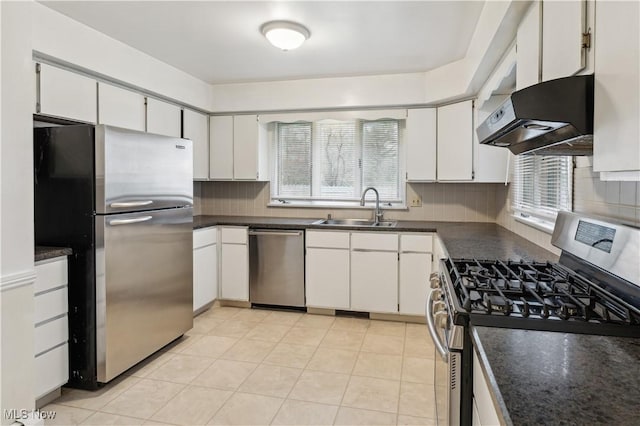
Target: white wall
point(16, 229)
point(57, 35)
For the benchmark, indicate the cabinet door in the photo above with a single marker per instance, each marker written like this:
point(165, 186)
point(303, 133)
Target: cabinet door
point(415, 269)
point(455, 142)
point(487, 412)
point(163, 118)
point(67, 95)
point(617, 84)
point(490, 163)
point(327, 278)
point(205, 276)
point(234, 272)
point(245, 147)
point(374, 281)
point(528, 51)
point(196, 127)
point(562, 27)
point(121, 108)
point(221, 147)
point(421, 144)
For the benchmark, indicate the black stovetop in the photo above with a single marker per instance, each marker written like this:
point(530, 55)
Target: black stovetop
point(540, 296)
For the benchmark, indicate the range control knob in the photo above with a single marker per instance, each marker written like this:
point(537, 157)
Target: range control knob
point(441, 320)
point(435, 280)
point(436, 294)
point(438, 306)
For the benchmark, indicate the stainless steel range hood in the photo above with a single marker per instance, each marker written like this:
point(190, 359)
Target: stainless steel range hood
point(550, 118)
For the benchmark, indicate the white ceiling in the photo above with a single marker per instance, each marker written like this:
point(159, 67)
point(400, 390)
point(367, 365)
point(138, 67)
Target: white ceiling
point(220, 41)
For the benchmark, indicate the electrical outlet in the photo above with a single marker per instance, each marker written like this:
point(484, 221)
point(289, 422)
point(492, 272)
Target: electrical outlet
point(416, 201)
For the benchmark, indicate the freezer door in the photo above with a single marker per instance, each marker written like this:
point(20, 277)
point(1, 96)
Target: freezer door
point(144, 285)
point(141, 171)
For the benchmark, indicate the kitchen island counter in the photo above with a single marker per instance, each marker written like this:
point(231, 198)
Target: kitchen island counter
point(461, 239)
point(543, 377)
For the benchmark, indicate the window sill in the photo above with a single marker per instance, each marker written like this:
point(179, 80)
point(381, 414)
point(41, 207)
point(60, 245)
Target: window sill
point(334, 205)
point(539, 224)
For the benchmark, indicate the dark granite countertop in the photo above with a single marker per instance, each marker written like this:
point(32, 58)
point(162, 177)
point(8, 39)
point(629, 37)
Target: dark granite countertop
point(44, 253)
point(542, 377)
point(461, 239)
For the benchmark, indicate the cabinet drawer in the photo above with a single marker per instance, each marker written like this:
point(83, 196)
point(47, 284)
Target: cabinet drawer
point(51, 304)
point(50, 274)
point(234, 235)
point(416, 243)
point(204, 237)
point(51, 334)
point(374, 241)
point(327, 239)
point(52, 370)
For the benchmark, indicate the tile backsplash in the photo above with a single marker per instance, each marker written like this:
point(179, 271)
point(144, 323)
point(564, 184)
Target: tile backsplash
point(469, 202)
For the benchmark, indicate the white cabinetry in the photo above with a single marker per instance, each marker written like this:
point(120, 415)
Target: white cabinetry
point(66, 94)
point(617, 91)
point(51, 322)
point(163, 118)
point(205, 267)
point(374, 272)
point(238, 148)
point(491, 163)
point(121, 108)
point(528, 53)
point(234, 263)
point(421, 144)
point(196, 127)
point(562, 28)
point(455, 142)
point(221, 147)
point(485, 413)
point(327, 269)
point(416, 259)
point(249, 149)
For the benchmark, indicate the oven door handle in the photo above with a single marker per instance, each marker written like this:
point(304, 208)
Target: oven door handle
point(444, 353)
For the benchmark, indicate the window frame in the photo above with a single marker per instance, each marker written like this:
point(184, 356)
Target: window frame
point(537, 215)
point(277, 200)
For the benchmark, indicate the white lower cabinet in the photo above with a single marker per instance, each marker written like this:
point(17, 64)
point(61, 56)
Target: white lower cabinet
point(51, 321)
point(416, 259)
point(374, 281)
point(327, 269)
point(485, 413)
point(234, 264)
point(374, 272)
point(205, 267)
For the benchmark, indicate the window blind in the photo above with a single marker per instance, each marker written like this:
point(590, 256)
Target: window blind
point(335, 160)
point(543, 185)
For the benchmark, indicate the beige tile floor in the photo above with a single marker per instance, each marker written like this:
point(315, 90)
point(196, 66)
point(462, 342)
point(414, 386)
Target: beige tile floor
point(259, 367)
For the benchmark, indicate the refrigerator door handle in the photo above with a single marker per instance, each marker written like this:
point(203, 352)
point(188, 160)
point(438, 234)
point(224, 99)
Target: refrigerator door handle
point(131, 204)
point(129, 221)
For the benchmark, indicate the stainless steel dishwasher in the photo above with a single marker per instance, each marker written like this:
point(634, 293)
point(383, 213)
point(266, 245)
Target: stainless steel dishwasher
point(276, 267)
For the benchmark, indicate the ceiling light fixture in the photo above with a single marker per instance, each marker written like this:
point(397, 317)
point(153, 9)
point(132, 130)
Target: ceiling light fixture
point(285, 35)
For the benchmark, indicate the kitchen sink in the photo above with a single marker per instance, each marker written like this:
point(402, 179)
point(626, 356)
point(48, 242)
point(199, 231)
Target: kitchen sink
point(355, 222)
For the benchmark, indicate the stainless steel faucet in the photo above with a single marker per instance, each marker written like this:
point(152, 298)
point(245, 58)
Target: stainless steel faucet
point(378, 213)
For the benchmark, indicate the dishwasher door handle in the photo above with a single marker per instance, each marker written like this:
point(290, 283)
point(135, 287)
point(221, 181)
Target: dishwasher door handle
point(277, 233)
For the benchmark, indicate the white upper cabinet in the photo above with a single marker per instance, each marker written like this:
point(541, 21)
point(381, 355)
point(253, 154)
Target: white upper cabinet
point(163, 118)
point(491, 163)
point(67, 95)
point(528, 51)
point(421, 142)
point(455, 142)
point(196, 127)
point(238, 148)
point(562, 28)
point(120, 107)
point(221, 147)
point(617, 88)
point(249, 149)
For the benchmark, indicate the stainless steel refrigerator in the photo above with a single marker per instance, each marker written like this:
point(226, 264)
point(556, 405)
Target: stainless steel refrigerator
point(122, 200)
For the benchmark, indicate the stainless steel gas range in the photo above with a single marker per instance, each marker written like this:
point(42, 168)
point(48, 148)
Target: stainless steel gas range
point(593, 289)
